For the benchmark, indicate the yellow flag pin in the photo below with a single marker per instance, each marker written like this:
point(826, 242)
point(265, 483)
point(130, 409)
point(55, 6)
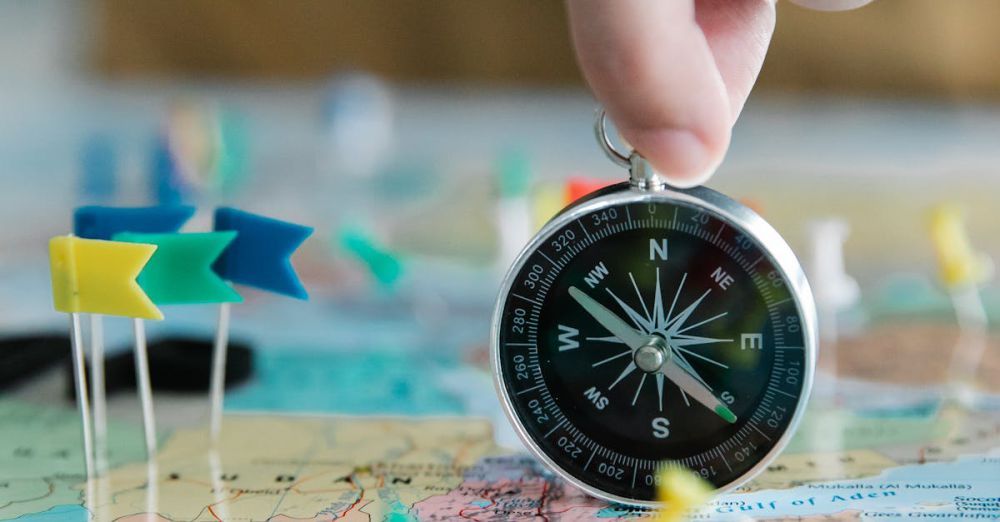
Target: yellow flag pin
point(680, 491)
point(95, 276)
point(959, 264)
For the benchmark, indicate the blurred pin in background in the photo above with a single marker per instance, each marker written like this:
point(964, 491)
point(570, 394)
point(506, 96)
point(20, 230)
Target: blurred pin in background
point(579, 186)
point(98, 182)
point(359, 120)
point(513, 207)
point(201, 154)
point(835, 290)
point(548, 198)
point(384, 266)
point(962, 271)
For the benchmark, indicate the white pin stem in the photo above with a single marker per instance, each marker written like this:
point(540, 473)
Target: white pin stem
point(82, 402)
point(97, 392)
point(972, 339)
point(152, 490)
point(145, 387)
point(218, 488)
point(217, 386)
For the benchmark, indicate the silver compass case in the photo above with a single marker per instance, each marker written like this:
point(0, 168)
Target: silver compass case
point(559, 358)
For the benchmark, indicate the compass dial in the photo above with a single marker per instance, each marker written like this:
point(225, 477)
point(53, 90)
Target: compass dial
point(648, 333)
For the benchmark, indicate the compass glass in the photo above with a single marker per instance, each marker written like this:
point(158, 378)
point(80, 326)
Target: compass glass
point(647, 333)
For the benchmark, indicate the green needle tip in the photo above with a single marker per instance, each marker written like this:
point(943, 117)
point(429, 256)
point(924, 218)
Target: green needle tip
point(725, 413)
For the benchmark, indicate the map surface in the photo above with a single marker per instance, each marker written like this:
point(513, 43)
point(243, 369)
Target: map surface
point(941, 465)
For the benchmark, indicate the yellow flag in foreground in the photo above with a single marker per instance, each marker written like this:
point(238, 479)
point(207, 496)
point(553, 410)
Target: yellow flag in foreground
point(681, 492)
point(94, 276)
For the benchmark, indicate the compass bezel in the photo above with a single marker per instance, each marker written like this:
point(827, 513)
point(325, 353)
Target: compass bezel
point(733, 214)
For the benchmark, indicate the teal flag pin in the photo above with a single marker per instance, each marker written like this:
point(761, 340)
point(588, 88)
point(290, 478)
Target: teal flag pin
point(180, 271)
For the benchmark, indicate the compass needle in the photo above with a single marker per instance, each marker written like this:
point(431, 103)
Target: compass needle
point(641, 289)
point(686, 366)
point(607, 319)
point(606, 339)
point(696, 390)
point(659, 390)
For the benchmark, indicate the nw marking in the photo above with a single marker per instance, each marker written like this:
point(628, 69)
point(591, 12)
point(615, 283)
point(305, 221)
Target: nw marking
point(596, 275)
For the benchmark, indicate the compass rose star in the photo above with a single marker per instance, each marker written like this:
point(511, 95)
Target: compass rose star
point(666, 330)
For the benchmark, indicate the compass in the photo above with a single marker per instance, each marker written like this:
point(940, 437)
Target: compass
point(649, 326)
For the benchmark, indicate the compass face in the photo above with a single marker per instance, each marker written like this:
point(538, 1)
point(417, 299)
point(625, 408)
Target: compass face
point(645, 334)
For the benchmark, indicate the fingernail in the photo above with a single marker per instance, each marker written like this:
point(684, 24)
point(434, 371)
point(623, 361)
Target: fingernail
point(679, 155)
point(694, 181)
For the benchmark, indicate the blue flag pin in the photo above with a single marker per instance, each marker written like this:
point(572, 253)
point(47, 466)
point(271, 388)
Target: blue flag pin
point(259, 257)
point(260, 254)
point(100, 222)
point(96, 222)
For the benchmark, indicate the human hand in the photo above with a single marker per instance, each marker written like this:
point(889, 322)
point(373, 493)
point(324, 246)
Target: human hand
point(674, 74)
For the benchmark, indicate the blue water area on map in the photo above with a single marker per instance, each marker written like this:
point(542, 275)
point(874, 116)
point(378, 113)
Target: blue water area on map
point(391, 382)
point(63, 513)
point(923, 410)
point(964, 488)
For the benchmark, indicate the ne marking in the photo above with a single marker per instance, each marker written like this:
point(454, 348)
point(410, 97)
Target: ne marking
point(584, 229)
point(547, 258)
point(520, 345)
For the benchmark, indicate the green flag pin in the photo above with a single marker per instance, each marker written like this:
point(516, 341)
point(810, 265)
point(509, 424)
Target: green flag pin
point(180, 271)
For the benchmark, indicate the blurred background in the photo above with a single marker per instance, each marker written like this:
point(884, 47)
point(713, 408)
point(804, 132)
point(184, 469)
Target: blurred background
point(425, 141)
